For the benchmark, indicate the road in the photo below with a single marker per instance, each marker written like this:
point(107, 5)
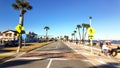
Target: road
point(54, 55)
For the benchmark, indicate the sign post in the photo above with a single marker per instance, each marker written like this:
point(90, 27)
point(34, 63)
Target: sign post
point(91, 32)
point(24, 38)
point(19, 28)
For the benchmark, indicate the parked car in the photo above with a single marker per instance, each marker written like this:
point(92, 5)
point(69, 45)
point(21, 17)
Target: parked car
point(12, 43)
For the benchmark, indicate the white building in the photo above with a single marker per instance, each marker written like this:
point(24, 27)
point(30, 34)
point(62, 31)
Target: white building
point(8, 35)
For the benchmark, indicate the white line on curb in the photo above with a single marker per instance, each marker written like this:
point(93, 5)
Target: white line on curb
point(48, 66)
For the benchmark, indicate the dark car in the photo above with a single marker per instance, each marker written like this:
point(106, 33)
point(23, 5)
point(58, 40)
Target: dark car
point(12, 43)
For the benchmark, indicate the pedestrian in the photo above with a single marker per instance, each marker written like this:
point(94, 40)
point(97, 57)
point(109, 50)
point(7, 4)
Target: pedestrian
point(105, 48)
point(76, 41)
point(100, 45)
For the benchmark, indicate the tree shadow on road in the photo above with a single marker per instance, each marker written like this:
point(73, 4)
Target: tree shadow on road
point(108, 65)
point(19, 62)
point(16, 63)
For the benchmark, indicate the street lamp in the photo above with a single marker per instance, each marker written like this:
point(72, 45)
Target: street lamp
point(91, 42)
point(90, 20)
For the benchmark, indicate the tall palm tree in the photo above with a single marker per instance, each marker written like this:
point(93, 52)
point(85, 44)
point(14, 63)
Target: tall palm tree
point(21, 6)
point(66, 38)
point(46, 28)
point(74, 34)
point(83, 26)
point(78, 27)
point(86, 26)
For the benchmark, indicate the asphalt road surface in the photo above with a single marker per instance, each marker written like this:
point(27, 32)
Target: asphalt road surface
point(54, 55)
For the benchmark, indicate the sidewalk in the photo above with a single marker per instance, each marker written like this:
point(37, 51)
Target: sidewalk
point(94, 58)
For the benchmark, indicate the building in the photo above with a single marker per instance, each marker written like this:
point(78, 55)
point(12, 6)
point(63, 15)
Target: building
point(8, 35)
point(31, 37)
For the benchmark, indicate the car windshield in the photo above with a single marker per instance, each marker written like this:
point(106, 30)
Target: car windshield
point(59, 33)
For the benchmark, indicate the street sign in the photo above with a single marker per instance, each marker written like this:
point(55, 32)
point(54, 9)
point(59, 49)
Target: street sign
point(23, 36)
point(19, 28)
point(91, 31)
point(91, 37)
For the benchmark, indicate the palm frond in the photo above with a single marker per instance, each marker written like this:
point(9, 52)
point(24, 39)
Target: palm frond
point(79, 26)
point(15, 6)
point(46, 27)
point(24, 11)
point(74, 31)
point(22, 5)
point(29, 7)
point(17, 1)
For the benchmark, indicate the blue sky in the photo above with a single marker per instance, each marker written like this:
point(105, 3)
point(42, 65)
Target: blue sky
point(62, 16)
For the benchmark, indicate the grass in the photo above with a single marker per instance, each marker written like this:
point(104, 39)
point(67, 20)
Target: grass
point(10, 51)
point(28, 48)
point(3, 56)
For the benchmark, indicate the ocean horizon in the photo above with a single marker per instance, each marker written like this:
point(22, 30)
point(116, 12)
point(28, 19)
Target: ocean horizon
point(112, 41)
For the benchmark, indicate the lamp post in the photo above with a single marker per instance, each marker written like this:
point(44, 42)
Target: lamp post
point(91, 42)
point(90, 20)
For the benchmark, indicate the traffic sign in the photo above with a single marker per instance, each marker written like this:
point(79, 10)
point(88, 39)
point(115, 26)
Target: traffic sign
point(19, 28)
point(91, 37)
point(91, 31)
point(23, 36)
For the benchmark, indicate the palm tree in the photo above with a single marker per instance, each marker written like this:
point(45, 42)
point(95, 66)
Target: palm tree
point(66, 38)
point(74, 34)
point(78, 27)
point(46, 28)
point(86, 26)
point(83, 26)
point(21, 6)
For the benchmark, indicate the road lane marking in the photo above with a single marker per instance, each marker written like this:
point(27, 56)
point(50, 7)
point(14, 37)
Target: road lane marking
point(48, 66)
point(57, 46)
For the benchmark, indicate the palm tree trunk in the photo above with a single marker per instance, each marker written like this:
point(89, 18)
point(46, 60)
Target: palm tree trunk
point(46, 35)
point(83, 36)
point(21, 19)
point(79, 34)
point(74, 38)
point(85, 33)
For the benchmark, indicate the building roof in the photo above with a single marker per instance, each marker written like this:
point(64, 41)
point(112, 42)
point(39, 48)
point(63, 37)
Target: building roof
point(8, 30)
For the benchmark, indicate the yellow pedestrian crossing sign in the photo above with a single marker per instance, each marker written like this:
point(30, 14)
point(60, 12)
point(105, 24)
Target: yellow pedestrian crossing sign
point(19, 28)
point(91, 31)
